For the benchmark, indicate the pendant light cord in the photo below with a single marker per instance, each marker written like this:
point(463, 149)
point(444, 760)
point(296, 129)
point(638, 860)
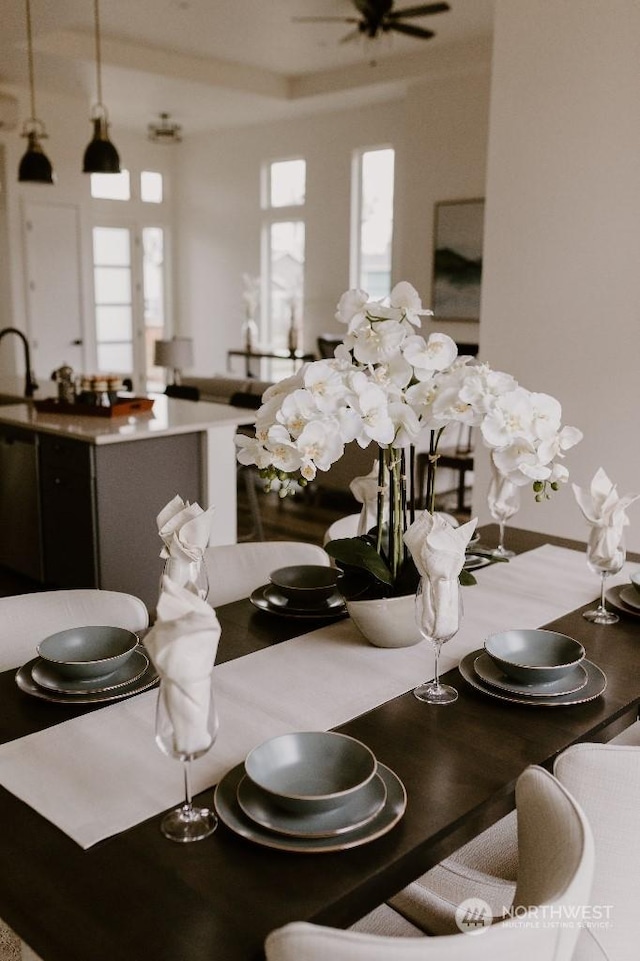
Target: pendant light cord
point(98, 62)
point(30, 60)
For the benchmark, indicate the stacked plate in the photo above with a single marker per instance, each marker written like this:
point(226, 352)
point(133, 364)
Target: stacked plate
point(306, 590)
point(311, 791)
point(87, 665)
point(535, 667)
point(625, 598)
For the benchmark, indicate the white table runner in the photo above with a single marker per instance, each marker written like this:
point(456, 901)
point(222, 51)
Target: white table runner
point(100, 774)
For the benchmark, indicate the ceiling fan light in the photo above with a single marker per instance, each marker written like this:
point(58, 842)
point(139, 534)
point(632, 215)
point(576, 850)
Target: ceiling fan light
point(35, 167)
point(101, 157)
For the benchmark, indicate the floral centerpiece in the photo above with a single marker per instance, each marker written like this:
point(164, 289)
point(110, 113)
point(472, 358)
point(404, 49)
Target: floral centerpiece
point(385, 385)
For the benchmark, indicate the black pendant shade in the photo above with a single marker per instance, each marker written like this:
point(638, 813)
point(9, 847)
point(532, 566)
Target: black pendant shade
point(101, 157)
point(35, 167)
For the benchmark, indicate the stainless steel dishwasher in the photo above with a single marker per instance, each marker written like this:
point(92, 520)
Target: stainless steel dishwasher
point(20, 542)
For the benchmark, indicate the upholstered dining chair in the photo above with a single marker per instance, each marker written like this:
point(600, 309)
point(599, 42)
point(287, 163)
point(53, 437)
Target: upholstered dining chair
point(555, 875)
point(605, 779)
point(235, 570)
point(25, 619)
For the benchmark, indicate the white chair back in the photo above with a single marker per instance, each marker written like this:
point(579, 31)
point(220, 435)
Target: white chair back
point(235, 570)
point(559, 870)
point(605, 780)
point(25, 619)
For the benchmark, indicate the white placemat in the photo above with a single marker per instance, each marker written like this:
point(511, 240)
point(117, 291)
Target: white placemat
point(100, 774)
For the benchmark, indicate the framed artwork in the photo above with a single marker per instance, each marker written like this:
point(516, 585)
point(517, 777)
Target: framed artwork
point(457, 259)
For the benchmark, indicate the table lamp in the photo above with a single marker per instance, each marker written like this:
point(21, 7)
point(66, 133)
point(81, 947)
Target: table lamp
point(174, 354)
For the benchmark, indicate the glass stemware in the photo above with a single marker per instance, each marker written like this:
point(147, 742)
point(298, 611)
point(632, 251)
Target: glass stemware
point(434, 692)
point(504, 501)
point(187, 573)
point(604, 567)
point(186, 822)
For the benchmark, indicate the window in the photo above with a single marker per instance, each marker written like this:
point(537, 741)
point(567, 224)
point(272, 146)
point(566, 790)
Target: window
point(113, 299)
point(283, 253)
point(287, 183)
point(154, 300)
point(111, 186)
point(373, 221)
point(151, 187)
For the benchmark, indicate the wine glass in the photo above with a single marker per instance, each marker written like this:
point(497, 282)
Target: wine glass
point(187, 822)
point(433, 692)
point(604, 566)
point(504, 501)
point(186, 573)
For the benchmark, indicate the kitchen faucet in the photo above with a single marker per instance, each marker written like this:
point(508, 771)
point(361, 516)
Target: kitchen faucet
point(30, 385)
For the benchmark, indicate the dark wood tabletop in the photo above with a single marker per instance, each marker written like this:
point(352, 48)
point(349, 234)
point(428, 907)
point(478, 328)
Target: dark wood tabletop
point(137, 896)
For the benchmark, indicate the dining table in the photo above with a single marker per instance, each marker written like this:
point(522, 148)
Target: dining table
point(73, 890)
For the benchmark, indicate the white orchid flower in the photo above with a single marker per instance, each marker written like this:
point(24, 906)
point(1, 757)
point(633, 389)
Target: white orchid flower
point(325, 384)
point(406, 422)
point(547, 414)
point(482, 386)
point(405, 296)
point(371, 404)
point(251, 451)
point(296, 411)
point(351, 309)
point(510, 417)
point(319, 444)
point(520, 463)
point(284, 455)
point(436, 353)
point(379, 343)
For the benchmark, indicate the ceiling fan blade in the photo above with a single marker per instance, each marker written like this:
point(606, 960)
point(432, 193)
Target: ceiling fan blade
point(423, 11)
point(324, 20)
point(410, 31)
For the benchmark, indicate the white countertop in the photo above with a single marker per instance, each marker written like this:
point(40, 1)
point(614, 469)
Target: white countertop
point(168, 416)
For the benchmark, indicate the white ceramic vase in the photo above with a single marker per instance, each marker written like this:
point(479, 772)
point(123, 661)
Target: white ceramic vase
point(386, 621)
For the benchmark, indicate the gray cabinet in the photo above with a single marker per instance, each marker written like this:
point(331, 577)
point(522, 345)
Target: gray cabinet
point(67, 512)
point(19, 503)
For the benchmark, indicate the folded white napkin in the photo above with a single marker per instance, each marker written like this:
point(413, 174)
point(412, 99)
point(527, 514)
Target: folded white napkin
point(182, 645)
point(184, 529)
point(605, 511)
point(438, 550)
point(365, 491)
point(503, 497)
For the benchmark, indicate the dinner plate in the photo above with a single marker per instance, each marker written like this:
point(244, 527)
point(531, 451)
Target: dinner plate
point(276, 599)
point(630, 596)
point(361, 808)
point(474, 562)
point(262, 598)
point(26, 683)
point(614, 597)
point(487, 670)
point(44, 674)
point(231, 814)
point(596, 684)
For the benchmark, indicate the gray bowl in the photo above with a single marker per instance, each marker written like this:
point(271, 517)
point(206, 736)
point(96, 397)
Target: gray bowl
point(306, 585)
point(310, 771)
point(86, 652)
point(534, 656)
point(635, 580)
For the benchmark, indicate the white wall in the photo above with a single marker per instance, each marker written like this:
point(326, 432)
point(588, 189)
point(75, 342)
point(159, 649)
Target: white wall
point(561, 286)
point(439, 132)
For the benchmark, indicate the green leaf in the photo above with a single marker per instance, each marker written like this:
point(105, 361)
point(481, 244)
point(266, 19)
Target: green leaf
point(466, 578)
point(358, 552)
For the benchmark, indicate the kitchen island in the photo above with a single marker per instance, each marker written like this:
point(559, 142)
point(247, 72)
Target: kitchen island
point(79, 494)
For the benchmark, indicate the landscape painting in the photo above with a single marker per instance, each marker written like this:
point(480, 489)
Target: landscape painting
point(457, 265)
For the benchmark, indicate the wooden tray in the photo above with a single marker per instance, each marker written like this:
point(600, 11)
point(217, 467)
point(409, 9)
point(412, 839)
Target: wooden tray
point(123, 407)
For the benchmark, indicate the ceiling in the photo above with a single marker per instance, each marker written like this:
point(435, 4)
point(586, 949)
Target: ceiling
point(215, 63)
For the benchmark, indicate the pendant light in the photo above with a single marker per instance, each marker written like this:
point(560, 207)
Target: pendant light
point(35, 166)
point(100, 157)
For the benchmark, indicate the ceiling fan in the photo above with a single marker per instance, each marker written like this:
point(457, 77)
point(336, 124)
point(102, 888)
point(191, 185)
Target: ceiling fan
point(378, 17)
